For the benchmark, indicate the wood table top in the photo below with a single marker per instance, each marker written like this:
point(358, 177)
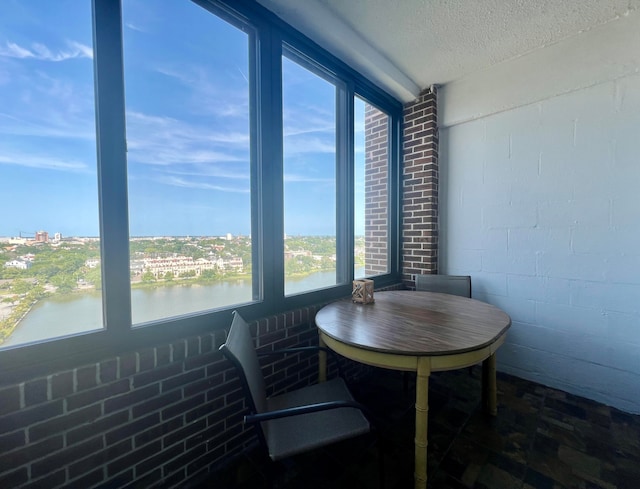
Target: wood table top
point(405, 322)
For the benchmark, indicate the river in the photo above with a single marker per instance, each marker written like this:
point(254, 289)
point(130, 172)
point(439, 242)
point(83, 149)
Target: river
point(61, 316)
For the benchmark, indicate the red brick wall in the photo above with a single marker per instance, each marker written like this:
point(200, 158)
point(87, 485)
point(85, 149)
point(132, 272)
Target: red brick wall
point(420, 188)
point(167, 413)
point(376, 188)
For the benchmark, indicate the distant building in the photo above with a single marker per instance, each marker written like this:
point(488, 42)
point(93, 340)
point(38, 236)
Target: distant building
point(17, 240)
point(293, 254)
point(21, 264)
point(233, 263)
point(92, 262)
point(179, 265)
point(42, 237)
point(57, 237)
point(176, 265)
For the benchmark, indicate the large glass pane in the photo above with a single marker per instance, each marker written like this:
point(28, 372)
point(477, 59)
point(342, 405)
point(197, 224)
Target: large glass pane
point(371, 134)
point(309, 112)
point(188, 136)
point(50, 281)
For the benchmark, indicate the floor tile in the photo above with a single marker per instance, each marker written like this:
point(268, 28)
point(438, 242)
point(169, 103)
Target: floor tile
point(542, 438)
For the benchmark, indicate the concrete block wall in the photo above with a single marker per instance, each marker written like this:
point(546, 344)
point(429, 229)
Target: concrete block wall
point(540, 204)
point(161, 416)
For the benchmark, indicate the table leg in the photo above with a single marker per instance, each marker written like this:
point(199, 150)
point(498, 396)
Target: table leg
point(322, 361)
point(422, 417)
point(489, 388)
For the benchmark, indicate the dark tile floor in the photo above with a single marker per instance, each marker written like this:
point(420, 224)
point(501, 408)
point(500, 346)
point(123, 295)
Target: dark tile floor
point(542, 438)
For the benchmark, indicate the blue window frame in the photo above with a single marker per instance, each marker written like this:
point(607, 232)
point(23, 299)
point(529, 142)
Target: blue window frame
point(269, 39)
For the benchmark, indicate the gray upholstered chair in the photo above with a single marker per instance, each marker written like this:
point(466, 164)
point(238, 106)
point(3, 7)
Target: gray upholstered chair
point(297, 421)
point(447, 284)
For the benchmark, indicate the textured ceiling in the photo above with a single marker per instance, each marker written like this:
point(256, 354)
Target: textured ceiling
point(417, 43)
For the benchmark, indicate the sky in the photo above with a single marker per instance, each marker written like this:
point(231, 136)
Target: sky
point(187, 122)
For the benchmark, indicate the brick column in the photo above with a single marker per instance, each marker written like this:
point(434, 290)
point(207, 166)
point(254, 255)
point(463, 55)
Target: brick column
point(376, 186)
point(420, 187)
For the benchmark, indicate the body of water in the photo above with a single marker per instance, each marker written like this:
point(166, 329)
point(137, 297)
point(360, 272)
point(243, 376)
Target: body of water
point(61, 316)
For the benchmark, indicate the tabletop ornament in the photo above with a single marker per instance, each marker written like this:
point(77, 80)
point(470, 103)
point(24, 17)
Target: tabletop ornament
point(362, 291)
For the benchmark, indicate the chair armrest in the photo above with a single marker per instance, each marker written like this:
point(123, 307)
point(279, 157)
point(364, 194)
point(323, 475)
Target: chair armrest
point(298, 410)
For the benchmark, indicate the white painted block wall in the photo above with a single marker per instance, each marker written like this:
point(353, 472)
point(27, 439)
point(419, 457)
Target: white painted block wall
point(540, 204)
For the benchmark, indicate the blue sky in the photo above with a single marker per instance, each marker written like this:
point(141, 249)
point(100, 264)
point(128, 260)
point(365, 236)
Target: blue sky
point(187, 105)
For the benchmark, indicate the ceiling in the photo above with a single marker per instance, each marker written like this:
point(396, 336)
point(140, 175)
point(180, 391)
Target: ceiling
point(408, 45)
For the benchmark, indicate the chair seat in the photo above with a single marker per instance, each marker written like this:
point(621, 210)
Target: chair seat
point(292, 435)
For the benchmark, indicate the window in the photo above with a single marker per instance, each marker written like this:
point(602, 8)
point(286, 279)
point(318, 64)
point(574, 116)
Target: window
point(50, 280)
point(309, 132)
point(245, 168)
point(188, 140)
point(371, 190)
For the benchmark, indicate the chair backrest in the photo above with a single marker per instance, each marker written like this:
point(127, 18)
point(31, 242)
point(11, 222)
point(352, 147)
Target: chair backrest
point(240, 351)
point(447, 284)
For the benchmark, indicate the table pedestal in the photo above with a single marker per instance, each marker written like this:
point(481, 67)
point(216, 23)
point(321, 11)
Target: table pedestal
point(489, 387)
point(422, 421)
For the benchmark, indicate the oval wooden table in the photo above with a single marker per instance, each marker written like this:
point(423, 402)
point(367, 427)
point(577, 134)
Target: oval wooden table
point(417, 331)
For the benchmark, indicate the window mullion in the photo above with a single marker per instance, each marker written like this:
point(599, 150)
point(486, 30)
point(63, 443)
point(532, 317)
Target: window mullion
point(345, 178)
point(112, 164)
point(270, 150)
point(395, 193)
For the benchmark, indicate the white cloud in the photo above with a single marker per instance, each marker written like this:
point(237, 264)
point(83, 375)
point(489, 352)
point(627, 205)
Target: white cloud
point(307, 119)
point(288, 178)
point(49, 125)
point(309, 129)
point(205, 96)
point(42, 52)
point(304, 144)
point(15, 51)
point(134, 27)
point(44, 162)
point(235, 138)
point(160, 140)
point(209, 171)
point(85, 51)
point(184, 183)
point(291, 178)
point(188, 155)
